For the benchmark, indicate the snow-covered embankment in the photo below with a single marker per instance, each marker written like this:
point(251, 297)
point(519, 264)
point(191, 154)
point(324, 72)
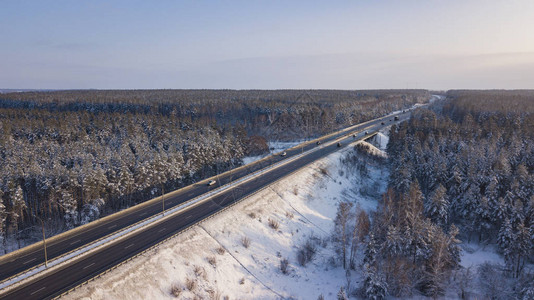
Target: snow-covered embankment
point(237, 253)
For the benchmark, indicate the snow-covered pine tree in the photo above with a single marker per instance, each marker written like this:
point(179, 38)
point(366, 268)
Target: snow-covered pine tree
point(359, 233)
point(341, 294)
point(18, 205)
point(505, 240)
point(436, 267)
point(482, 220)
point(501, 212)
point(371, 252)
point(126, 186)
point(522, 248)
point(374, 285)
point(341, 229)
point(3, 215)
point(437, 207)
point(401, 178)
point(69, 206)
point(394, 242)
point(454, 247)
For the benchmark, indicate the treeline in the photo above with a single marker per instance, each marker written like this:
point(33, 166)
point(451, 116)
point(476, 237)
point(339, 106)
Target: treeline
point(69, 157)
point(274, 114)
point(464, 169)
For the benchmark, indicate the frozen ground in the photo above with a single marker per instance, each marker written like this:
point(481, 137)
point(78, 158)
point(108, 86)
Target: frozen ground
point(210, 260)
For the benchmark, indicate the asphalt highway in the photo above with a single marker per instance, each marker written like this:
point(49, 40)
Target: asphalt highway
point(70, 275)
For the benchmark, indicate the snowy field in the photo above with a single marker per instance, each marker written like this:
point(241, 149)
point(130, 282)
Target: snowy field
point(237, 253)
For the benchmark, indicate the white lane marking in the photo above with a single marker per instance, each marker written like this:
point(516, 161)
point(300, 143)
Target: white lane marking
point(162, 229)
point(29, 261)
point(112, 226)
point(188, 217)
point(128, 246)
point(235, 184)
point(77, 241)
point(143, 214)
point(88, 266)
point(44, 287)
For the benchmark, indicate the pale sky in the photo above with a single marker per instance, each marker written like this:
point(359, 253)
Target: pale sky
point(431, 44)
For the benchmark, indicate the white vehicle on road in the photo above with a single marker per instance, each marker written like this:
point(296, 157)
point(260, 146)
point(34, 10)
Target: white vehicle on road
point(211, 182)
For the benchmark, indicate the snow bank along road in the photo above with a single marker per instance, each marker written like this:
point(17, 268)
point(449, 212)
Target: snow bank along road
point(77, 271)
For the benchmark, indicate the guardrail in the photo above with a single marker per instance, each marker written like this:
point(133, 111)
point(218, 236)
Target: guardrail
point(8, 282)
point(221, 210)
point(19, 279)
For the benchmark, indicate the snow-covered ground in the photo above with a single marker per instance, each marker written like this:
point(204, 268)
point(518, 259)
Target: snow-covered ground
point(474, 254)
point(274, 147)
point(210, 259)
point(381, 140)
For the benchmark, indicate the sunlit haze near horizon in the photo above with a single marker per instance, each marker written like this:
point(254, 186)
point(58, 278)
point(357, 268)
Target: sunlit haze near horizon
point(267, 44)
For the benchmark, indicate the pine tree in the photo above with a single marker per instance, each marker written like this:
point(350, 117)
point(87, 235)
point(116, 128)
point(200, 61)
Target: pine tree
point(482, 220)
point(126, 185)
point(517, 212)
point(3, 215)
point(374, 285)
point(341, 295)
point(69, 206)
point(359, 232)
point(506, 239)
point(501, 211)
point(455, 180)
point(522, 247)
point(371, 252)
point(394, 242)
point(454, 247)
point(437, 266)
point(415, 229)
point(341, 230)
point(437, 209)
point(414, 199)
point(401, 178)
point(18, 205)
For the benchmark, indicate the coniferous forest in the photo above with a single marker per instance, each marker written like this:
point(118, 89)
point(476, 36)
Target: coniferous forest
point(461, 170)
point(70, 157)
